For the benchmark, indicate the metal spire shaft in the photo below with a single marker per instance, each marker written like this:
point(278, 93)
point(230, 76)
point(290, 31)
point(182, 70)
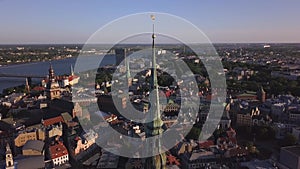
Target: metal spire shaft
point(155, 127)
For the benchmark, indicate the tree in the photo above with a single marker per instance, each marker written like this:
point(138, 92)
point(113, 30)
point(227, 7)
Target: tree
point(264, 132)
point(194, 133)
point(289, 140)
point(165, 80)
point(251, 148)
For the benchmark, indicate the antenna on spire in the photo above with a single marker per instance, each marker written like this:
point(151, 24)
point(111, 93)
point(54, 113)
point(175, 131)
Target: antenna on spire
point(153, 72)
point(152, 17)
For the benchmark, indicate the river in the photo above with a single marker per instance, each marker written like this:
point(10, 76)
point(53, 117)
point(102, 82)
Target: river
point(41, 68)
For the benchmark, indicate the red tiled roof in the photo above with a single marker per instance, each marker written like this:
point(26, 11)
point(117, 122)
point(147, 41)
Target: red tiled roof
point(53, 120)
point(236, 151)
point(116, 121)
point(223, 139)
point(38, 88)
point(168, 93)
point(231, 134)
point(209, 97)
point(58, 150)
point(172, 160)
point(206, 144)
point(233, 140)
point(72, 78)
point(77, 138)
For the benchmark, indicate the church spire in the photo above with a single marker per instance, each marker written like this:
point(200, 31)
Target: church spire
point(51, 74)
point(72, 70)
point(155, 126)
point(27, 85)
point(128, 76)
point(261, 94)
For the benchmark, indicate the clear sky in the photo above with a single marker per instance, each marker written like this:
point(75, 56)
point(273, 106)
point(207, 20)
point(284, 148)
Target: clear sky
point(70, 21)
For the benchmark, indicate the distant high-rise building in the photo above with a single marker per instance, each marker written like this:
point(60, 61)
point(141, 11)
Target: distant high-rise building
point(120, 55)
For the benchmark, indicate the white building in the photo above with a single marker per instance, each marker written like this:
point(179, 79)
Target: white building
point(59, 154)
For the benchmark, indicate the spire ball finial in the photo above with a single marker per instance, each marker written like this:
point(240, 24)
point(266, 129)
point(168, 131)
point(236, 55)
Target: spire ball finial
point(152, 17)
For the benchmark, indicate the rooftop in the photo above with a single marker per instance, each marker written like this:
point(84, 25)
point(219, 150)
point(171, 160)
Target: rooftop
point(58, 150)
point(255, 164)
point(201, 154)
point(34, 144)
point(30, 162)
point(53, 120)
point(66, 117)
point(293, 149)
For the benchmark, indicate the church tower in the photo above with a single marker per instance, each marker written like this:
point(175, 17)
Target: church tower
point(128, 76)
point(154, 127)
point(261, 94)
point(225, 119)
point(27, 86)
point(9, 158)
point(53, 90)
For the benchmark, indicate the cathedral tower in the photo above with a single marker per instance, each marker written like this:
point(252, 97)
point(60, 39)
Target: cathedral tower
point(53, 90)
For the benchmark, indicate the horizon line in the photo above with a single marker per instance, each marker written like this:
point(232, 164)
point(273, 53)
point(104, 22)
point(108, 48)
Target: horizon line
point(67, 43)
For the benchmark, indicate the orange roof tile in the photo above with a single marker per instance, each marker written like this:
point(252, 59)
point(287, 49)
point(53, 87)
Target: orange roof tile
point(209, 97)
point(72, 77)
point(58, 150)
point(172, 160)
point(38, 88)
point(53, 120)
point(206, 144)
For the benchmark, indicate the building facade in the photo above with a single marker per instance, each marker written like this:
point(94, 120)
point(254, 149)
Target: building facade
point(59, 154)
point(22, 138)
point(244, 119)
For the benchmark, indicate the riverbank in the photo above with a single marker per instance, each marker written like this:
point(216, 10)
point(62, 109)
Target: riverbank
point(4, 64)
point(61, 67)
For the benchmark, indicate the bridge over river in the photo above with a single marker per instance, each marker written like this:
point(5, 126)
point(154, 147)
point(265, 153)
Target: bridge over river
point(28, 77)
